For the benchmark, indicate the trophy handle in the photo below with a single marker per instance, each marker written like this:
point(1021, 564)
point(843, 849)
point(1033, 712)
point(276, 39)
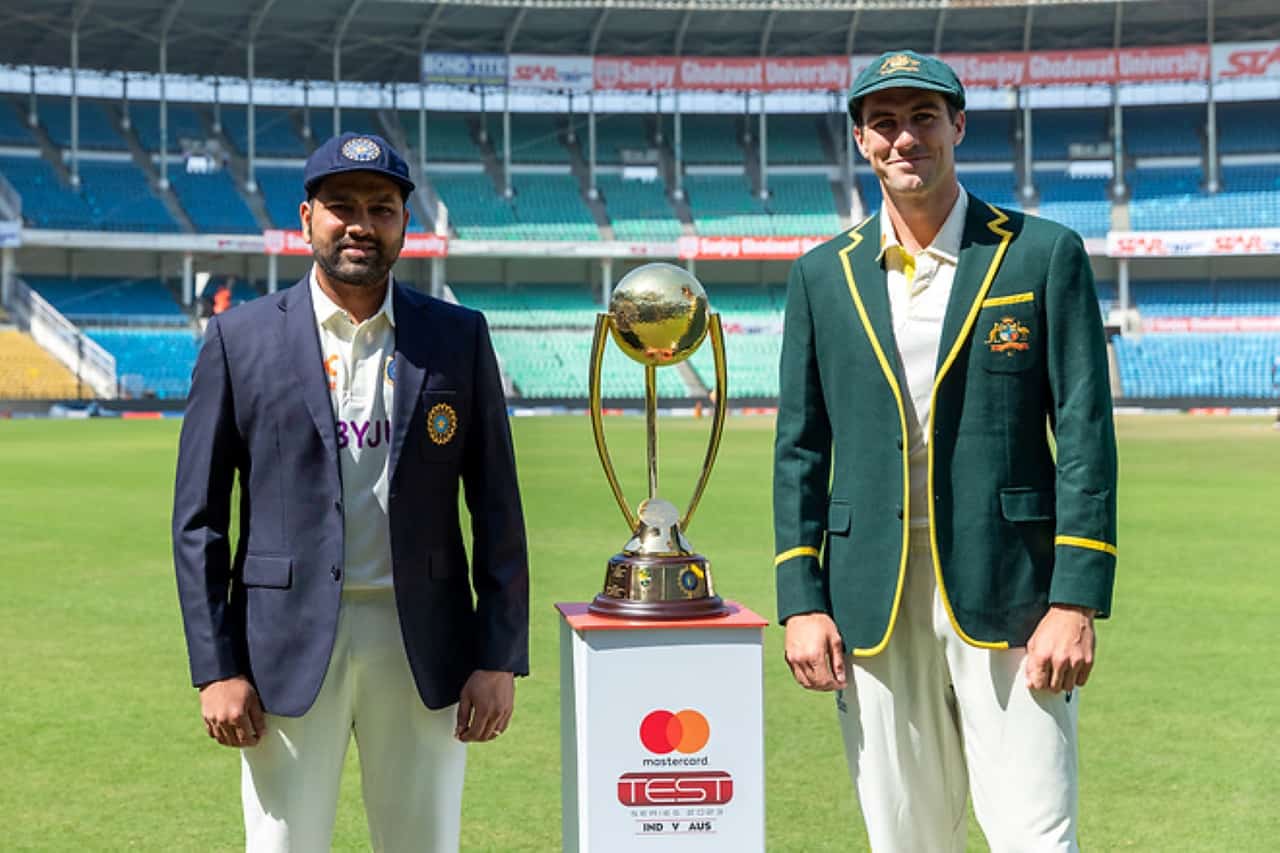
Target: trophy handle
point(717, 422)
point(594, 404)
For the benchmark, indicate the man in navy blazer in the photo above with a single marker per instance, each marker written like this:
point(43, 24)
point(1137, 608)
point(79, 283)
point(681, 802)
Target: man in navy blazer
point(350, 408)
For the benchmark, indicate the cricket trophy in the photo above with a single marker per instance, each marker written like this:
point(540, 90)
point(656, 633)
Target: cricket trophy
point(658, 315)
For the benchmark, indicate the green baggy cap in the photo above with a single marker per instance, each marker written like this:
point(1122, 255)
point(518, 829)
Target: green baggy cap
point(906, 69)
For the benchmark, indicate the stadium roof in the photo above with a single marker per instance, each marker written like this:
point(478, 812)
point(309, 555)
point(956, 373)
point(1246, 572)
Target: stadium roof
point(381, 40)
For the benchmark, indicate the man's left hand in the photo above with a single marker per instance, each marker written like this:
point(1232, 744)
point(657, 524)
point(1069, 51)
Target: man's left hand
point(1060, 652)
point(484, 710)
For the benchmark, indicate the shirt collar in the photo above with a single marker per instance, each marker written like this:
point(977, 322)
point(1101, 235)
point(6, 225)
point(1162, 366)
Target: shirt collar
point(326, 308)
point(946, 245)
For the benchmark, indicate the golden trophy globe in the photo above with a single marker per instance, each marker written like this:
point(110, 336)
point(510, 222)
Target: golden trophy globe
point(658, 315)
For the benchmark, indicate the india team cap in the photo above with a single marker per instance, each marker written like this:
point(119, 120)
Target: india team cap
point(906, 69)
point(356, 152)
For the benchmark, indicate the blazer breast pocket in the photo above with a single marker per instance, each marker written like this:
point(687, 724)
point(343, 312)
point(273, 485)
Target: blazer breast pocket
point(1007, 334)
point(442, 425)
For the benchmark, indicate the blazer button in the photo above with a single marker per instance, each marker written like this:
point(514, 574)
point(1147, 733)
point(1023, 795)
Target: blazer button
point(899, 513)
point(336, 572)
point(337, 505)
point(899, 443)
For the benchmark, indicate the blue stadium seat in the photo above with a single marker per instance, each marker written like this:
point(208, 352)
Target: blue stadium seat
point(183, 123)
point(97, 125)
point(616, 133)
point(1225, 366)
point(1248, 127)
point(151, 362)
point(1164, 130)
point(101, 299)
point(46, 203)
point(1082, 204)
point(282, 192)
point(988, 137)
point(796, 139)
point(1052, 131)
point(274, 129)
point(13, 126)
point(121, 198)
point(638, 210)
point(1174, 198)
point(212, 202)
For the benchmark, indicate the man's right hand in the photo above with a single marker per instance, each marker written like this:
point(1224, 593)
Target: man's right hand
point(815, 652)
point(232, 712)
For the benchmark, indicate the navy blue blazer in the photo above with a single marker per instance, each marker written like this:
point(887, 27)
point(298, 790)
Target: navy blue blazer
point(259, 407)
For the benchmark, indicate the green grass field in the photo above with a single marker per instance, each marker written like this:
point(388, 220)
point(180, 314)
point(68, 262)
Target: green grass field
point(101, 745)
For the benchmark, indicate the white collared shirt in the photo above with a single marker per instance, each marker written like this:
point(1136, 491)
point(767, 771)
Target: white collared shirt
point(358, 360)
point(918, 307)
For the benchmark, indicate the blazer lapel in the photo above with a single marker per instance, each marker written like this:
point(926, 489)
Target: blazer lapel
point(982, 249)
point(412, 335)
point(302, 341)
point(867, 284)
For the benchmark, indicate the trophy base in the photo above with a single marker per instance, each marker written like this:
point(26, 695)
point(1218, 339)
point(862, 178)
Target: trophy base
point(639, 586)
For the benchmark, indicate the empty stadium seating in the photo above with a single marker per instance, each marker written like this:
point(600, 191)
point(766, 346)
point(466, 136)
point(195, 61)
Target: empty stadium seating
point(1173, 198)
point(46, 202)
point(616, 133)
point(121, 199)
point(99, 299)
point(1052, 131)
point(1248, 127)
point(802, 205)
point(639, 210)
point(531, 305)
point(1235, 366)
point(28, 372)
point(13, 125)
point(212, 202)
point(183, 122)
point(355, 121)
point(275, 133)
point(544, 207)
point(988, 137)
point(796, 139)
point(1199, 298)
point(449, 137)
point(150, 362)
point(711, 139)
point(1080, 203)
point(97, 124)
point(535, 138)
point(724, 205)
point(282, 192)
point(1164, 130)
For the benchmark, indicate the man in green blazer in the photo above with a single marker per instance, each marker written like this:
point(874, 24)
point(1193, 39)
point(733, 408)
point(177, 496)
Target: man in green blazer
point(944, 486)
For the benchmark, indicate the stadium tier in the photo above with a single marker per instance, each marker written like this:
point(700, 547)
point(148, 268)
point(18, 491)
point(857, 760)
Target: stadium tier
point(46, 201)
point(1172, 198)
point(534, 139)
point(802, 205)
point(1166, 131)
point(1054, 131)
point(1081, 203)
point(724, 205)
point(449, 137)
point(531, 305)
point(110, 300)
point(13, 125)
point(615, 134)
point(797, 139)
point(281, 188)
point(98, 126)
point(711, 139)
point(639, 210)
point(28, 372)
point(150, 362)
point(182, 122)
point(1234, 366)
point(1197, 298)
point(212, 202)
point(543, 207)
point(988, 138)
point(275, 134)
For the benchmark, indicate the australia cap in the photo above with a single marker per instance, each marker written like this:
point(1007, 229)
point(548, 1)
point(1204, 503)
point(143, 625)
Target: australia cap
point(356, 152)
point(906, 69)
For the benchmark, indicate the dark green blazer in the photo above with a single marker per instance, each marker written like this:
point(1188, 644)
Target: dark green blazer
point(1022, 367)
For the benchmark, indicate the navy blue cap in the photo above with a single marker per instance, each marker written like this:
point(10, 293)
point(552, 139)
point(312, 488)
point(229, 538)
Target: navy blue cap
point(356, 152)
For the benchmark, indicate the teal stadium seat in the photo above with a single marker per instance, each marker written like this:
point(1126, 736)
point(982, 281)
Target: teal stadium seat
point(638, 210)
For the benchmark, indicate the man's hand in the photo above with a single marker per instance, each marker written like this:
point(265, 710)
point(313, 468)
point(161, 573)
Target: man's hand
point(1060, 652)
point(232, 713)
point(815, 652)
point(484, 710)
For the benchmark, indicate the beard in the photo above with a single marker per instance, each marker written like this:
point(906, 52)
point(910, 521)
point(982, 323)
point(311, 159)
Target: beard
point(368, 271)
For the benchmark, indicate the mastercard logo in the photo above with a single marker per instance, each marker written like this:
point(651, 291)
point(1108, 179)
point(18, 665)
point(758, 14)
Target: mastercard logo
point(686, 731)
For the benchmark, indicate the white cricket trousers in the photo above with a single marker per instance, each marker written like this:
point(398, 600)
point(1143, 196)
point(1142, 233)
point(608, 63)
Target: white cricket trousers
point(931, 718)
point(411, 766)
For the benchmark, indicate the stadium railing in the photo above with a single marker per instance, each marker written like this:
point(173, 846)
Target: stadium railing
point(63, 339)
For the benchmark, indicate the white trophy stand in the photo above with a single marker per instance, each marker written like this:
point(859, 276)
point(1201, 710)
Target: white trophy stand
point(662, 732)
